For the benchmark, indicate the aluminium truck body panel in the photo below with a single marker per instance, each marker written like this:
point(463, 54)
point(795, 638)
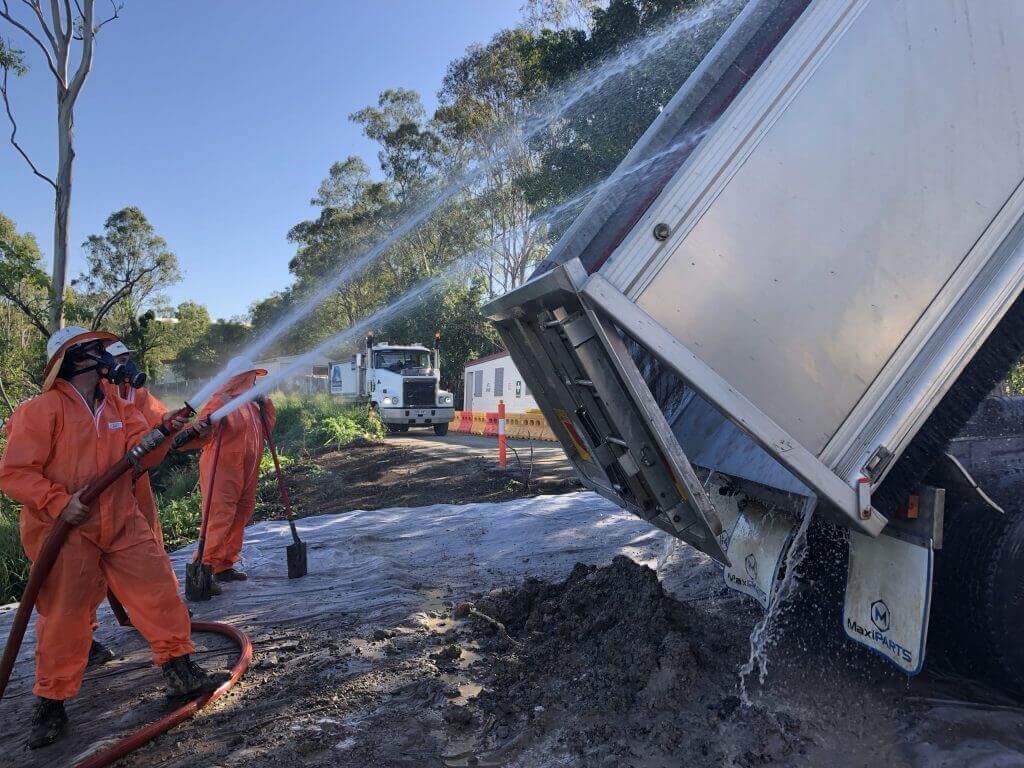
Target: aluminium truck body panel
point(826, 257)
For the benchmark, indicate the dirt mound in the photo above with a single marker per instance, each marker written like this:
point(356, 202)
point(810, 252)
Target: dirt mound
point(606, 668)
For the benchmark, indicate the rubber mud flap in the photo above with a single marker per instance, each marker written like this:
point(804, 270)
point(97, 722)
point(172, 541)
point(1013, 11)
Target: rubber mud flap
point(757, 546)
point(888, 598)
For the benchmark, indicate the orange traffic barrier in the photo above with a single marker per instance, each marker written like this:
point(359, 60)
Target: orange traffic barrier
point(516, 426)
point(491, 424)
point(479, 423)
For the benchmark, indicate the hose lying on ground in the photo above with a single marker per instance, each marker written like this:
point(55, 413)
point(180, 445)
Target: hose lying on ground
point(149, 732)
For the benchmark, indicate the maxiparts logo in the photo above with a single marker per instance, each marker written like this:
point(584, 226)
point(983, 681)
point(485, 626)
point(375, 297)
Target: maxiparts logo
point(749, 584)
point(881, 618)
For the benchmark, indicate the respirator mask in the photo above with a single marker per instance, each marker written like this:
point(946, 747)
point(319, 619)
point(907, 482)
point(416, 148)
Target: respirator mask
point(109, 367)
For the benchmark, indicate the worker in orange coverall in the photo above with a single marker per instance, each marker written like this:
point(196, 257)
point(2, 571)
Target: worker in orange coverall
point(153, 411)
point(56, 443)
point(232, 499)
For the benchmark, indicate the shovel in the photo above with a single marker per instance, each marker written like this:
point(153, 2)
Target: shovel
point(296, 551)
point(199, 576)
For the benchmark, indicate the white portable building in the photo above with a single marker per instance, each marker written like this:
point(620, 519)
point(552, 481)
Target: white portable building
point(493, 378)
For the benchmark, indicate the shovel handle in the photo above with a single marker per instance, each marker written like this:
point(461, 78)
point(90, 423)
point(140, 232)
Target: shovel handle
point(205, 519)
point(285, 499)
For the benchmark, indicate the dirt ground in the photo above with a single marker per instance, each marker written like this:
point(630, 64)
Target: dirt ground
point(376, 661)
point(403, 472)
point(603, 668)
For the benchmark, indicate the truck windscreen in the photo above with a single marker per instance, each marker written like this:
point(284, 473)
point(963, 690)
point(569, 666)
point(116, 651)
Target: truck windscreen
point(398, 360)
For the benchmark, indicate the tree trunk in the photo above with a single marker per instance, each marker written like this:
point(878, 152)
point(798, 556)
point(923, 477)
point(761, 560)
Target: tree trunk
point(62, 205)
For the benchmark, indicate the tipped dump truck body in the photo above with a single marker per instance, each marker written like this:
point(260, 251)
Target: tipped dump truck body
point(802, 297)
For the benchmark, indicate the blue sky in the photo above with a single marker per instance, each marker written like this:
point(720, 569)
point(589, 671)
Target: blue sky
point(219, 118)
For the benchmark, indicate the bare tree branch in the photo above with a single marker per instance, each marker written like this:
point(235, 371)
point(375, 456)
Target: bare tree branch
point(6, 14)
point(6, 399)
point(70, 31)
point(14, 134)
point(119, 294)
point(37, 9)
point(115, 13)
point(88, 37)
point(29, 312)
point(62, 35)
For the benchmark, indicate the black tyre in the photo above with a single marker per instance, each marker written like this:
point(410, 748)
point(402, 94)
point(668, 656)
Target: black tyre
point(441, 429)
point(397, 428)
point(977, 621)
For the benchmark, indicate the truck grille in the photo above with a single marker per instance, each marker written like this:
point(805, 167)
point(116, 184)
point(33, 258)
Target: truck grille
point(418, 393)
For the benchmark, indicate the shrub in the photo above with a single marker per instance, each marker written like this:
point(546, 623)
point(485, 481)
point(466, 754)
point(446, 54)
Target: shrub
point(179, 518)
point(13, 563)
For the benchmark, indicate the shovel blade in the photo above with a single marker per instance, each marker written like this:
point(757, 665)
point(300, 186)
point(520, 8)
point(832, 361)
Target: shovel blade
point(198, 582)
point(296, 560)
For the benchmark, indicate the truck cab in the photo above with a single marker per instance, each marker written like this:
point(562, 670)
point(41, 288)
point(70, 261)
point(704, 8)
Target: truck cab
point(400, 381)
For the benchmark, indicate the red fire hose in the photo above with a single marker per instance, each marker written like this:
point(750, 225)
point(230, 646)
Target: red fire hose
point(43, 563)
point(41, 568)
point(149, 732)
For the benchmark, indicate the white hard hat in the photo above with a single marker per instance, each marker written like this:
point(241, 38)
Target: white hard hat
point(63, 340)
point(240, 364)
point(118, 348)
point(62, 337)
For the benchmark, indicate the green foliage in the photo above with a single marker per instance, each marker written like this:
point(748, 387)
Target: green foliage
point(489, 227)
point(588, 144)
point(12, 59)
point(210, 347)
point(179, 518)
point(307, 424)
point(24, 303)
point(127, 267)
point(1014, 383)
point(13, 563)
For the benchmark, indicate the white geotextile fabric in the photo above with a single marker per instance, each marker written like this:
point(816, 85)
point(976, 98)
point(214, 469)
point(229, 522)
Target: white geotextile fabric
point(382, 566)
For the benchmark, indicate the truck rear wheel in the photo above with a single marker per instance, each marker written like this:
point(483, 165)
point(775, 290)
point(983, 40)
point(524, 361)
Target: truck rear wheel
point(978, 606)
point(441, 429)
point(396, 428)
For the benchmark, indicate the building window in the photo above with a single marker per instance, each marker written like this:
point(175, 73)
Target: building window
point(478, 383)
point(499, 382)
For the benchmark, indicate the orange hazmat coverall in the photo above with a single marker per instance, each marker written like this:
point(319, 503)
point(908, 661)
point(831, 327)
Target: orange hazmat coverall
point(153, 411)
point(55, 446)
point(233, 499)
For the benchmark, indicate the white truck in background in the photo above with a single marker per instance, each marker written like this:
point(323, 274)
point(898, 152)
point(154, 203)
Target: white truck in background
point(797, 309)
point(399, 381)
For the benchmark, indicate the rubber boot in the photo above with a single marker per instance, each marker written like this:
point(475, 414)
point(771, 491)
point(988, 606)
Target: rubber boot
point(49, 720)
point(99, 654)
point(185, 678)
point(230, 574)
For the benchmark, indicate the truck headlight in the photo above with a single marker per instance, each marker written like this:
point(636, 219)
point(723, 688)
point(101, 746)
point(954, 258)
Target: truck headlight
point(390, 401)
point(444, 399)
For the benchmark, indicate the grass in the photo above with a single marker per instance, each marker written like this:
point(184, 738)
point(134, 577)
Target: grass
point(306, 426)
point(13, 563)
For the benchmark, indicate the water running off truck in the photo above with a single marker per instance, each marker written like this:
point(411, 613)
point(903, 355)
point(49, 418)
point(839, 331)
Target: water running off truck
point(799, 310)
point(401, 382)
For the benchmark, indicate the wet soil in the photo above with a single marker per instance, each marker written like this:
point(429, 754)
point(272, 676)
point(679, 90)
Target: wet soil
point(604, 668)
point(380, 475)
